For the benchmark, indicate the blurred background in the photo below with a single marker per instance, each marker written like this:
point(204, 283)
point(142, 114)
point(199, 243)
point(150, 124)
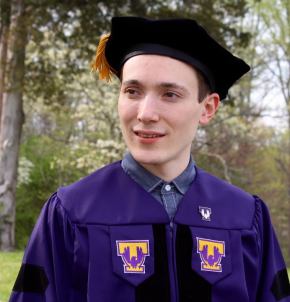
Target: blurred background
point(58, 123)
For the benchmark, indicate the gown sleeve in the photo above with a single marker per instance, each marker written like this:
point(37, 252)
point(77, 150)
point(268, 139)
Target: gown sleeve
point(46, 270)
point(274, 283)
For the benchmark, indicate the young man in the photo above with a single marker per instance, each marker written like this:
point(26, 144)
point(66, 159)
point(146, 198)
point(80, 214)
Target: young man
point(154, 227)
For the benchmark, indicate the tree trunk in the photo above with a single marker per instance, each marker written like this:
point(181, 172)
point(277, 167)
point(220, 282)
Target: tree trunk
point(11, 123)
point(5, 22)
point(3, 58)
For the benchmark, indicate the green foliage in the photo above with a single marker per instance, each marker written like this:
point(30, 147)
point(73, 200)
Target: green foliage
point(42, 152)
point(31, 196)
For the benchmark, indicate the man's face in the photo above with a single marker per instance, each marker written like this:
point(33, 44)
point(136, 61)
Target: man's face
point(159, 110)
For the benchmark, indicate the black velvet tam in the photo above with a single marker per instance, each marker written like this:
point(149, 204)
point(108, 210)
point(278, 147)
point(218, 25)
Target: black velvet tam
point(181, 39)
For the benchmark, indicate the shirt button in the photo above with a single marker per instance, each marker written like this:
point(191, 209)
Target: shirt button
point(168, 187)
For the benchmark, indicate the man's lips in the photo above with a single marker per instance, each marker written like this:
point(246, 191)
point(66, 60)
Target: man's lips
point(148, 137)
point(148, 134)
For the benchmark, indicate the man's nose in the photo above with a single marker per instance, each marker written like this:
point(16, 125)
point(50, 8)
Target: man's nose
point(148, 110)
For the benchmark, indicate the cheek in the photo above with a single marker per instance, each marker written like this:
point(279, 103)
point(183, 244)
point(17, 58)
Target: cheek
point(127, 111)
point(187, 122)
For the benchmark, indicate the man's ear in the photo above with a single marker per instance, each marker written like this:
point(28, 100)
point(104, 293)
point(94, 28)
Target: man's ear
point(210, 103)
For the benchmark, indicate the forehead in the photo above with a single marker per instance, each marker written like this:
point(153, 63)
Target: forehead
point(157, 67)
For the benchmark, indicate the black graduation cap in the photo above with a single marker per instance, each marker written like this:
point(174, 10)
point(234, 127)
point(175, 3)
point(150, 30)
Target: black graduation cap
point(182, 39)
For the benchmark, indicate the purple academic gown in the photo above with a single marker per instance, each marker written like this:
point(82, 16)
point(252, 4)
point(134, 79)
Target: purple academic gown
point(104, 238)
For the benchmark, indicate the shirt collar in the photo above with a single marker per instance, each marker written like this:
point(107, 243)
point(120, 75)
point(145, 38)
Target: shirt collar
point(149, 181)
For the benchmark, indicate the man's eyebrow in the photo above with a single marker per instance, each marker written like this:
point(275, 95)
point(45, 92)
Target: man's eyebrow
point(172, 85)
point(162, 84)
point(133, 82)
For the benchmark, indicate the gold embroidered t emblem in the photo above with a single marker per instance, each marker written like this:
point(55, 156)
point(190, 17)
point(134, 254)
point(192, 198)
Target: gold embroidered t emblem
point(211, 253)
point(133, 254)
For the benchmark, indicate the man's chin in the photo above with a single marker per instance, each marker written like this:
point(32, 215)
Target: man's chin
point(145, 160)
point(151, 163)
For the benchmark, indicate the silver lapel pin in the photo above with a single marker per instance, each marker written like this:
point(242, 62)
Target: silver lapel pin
point(205, 213)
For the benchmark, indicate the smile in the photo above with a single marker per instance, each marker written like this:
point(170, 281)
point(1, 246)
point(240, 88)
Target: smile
point(148, 135)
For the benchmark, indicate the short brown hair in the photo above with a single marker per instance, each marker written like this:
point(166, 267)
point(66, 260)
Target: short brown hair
point(203, 85)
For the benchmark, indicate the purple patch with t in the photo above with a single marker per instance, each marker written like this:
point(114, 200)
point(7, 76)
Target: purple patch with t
point(133, 253)
point(211, 253)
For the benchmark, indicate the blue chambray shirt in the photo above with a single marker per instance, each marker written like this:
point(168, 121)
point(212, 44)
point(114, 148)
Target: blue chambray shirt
point(169, 194)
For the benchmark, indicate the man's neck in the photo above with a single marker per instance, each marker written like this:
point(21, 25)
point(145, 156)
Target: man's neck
point(167, 172)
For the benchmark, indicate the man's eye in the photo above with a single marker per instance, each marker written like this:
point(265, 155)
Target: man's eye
point(131, 91)
point(171, 95)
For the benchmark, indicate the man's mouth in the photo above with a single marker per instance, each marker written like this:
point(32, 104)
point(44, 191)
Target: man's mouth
point(148, 135)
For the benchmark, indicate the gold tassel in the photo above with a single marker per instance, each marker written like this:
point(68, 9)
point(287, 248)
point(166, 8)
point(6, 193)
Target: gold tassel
point(101, 63)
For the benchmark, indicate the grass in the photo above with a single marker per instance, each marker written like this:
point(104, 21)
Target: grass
point(9, 268)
